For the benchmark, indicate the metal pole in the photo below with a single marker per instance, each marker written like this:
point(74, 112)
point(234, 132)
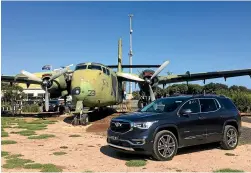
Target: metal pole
point(130, 52)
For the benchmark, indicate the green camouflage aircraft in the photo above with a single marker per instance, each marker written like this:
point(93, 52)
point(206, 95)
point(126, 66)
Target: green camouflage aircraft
point(96, 85)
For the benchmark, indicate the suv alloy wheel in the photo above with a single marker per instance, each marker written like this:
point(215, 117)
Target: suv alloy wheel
point(230, 138)
point(165, 145)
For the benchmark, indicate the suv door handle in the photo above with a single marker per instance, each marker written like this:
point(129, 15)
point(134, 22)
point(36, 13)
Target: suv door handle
point(202, 118)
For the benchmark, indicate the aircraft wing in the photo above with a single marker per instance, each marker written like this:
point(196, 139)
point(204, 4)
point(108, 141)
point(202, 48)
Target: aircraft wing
point(18, 79)
point(203, 76)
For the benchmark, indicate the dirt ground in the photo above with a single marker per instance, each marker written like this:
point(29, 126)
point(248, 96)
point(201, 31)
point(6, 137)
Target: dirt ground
point(91, 153)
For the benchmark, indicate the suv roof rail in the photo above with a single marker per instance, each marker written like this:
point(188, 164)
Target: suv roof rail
point(209, 95)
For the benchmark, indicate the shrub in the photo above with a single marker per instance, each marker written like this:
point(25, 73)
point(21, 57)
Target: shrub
point(31, 108)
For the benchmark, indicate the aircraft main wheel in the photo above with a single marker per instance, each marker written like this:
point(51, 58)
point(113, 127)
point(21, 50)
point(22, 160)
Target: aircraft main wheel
point(84, 119)
point(75, 121)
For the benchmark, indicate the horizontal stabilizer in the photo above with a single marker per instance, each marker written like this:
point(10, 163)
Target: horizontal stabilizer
point(134, 66)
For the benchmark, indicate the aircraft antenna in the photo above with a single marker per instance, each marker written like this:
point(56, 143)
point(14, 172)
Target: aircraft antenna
point(130, 52)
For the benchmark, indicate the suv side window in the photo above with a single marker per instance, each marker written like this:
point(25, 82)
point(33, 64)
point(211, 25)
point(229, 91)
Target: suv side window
point(193, 105)
point(208, 105)
point(228, 104)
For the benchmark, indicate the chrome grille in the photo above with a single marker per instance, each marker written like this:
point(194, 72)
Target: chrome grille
point(120, 126)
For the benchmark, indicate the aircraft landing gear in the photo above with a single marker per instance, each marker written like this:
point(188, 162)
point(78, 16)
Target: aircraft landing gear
point(80, 119)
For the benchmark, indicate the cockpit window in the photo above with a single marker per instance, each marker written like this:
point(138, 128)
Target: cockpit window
point(80, 67)
point(94, 67)
point(104, 70)
point(108, 72)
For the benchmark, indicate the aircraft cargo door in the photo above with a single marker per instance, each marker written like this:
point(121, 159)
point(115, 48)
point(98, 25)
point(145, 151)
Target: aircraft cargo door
point(114, 87)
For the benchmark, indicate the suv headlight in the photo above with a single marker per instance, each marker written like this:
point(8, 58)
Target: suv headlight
point(144, 125)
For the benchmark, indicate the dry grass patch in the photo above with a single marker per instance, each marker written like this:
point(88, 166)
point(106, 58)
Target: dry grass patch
point(60, 153)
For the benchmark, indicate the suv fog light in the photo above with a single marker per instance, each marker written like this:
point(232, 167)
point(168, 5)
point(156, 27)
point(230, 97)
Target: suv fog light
point(138, 141)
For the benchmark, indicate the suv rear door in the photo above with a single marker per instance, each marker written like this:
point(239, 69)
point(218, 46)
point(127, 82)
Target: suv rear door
point(211, 115)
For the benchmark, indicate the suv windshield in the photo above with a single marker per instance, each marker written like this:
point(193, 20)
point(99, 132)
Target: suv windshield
point(163, 105)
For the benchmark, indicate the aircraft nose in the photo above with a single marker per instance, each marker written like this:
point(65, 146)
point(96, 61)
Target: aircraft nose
point(81, 90)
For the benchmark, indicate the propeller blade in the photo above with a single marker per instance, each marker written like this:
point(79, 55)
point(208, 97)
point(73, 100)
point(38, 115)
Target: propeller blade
point(160, 69)
point(46, 100)
point(152, 96)
point(61, 72)
point(31, 76)
point(130, 77)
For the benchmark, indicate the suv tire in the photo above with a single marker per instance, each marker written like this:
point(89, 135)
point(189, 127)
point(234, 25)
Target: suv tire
point(171, 145)
point(230, 132)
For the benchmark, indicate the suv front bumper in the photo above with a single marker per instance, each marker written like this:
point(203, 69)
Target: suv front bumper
point(130, 142)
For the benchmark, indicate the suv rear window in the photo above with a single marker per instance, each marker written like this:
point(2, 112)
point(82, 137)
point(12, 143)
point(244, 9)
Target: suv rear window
point(208, 105)
point(228, 104)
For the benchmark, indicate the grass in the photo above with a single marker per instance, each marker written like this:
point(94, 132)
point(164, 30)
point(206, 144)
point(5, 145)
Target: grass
point(59, 153)
point(43, 136)
point(6, 126)
point(230, 154)
point(26, 132)
point(33, 126)
point(51, 168)
point(16, 163)
point(4, 134)
point(42, 122)
point(64, 147)
point(13, 161)
point(135, 163)
point(228, 170)
point(4, 153)
point(6, 142)
point(74, 136)
point(14, 156)
point(33, 166)
point(43, 167)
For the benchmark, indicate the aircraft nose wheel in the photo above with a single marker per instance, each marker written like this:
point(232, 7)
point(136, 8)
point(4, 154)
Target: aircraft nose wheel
point(81, 119)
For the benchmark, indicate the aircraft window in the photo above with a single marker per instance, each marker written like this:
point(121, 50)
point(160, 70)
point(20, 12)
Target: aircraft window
point(80, 67)
point(104, 70)
point(108, 71)
point(94, 67)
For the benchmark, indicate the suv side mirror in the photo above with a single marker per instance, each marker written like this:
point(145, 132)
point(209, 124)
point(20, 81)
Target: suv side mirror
point(185, 112)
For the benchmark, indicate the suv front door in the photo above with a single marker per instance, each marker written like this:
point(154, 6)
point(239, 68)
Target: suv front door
point(192, 128)
point(212, 116)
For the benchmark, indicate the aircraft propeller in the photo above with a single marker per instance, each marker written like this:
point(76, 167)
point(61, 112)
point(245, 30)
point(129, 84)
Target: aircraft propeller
point(46, 83)
point(148, 81)
point(152, 96)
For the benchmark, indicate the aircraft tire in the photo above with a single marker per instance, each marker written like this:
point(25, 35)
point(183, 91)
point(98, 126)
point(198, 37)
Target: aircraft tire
point(75, 121)
point(84, 119)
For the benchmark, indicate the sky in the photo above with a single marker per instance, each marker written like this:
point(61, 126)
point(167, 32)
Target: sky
point(193, 36)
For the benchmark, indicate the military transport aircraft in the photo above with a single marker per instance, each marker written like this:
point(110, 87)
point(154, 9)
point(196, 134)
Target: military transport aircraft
point(97, 85)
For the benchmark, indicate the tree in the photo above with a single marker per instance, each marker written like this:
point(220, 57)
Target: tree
point(11, 93)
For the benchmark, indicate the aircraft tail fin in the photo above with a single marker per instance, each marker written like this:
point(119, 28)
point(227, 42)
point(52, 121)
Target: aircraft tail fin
point(120, 55)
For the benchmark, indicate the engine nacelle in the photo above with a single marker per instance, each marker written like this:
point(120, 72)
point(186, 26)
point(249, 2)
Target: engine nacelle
point(57, 86)
point(146, 75)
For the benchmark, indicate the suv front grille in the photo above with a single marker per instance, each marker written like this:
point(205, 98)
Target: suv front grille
point(120, 126)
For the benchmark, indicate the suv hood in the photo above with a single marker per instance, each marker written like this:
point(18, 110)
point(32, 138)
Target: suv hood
point(139, 116)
